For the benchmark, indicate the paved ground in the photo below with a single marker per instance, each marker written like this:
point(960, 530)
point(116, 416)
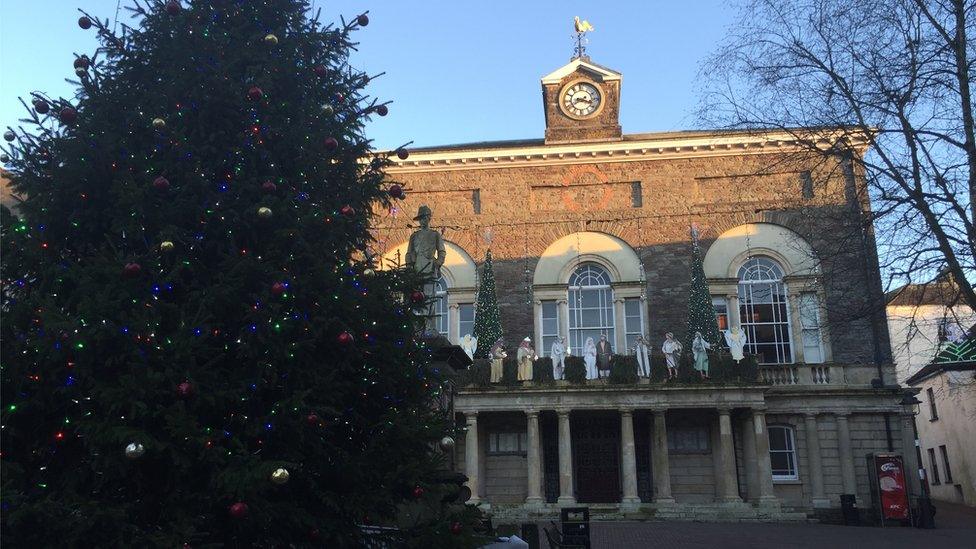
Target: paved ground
point(955, 528)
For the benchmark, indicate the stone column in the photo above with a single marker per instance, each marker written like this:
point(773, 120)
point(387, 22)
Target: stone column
point(727, 485)
point(661, 471)
point(534, 459)
point(910, 453)
point(814, 463)
point(846, 454)
point(749, 458)
point(471, 457)
point(454, 323)
point(566, 496)
point(537, 323)
point(628, 458)
point(764, 469)
point(564, 323)
point(620, 333)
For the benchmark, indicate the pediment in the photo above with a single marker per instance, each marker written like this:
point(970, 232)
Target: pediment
point(598, 73)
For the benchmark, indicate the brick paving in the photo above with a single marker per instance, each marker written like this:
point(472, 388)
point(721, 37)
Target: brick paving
point(955, 528)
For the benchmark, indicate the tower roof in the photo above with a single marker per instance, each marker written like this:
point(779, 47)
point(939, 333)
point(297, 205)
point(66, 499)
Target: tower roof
point(598, 72)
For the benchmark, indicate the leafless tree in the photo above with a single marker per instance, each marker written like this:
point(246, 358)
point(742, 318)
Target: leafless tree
point(899, 72)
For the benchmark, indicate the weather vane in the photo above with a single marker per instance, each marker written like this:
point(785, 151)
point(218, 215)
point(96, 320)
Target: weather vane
point(582, 27)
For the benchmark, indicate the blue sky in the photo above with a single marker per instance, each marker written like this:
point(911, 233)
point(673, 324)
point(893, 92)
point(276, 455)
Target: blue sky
point(457, 71)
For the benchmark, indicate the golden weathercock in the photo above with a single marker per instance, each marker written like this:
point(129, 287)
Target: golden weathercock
point(582, 26)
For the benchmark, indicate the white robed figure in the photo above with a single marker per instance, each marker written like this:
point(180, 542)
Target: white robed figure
point(643, 361)
point(558, 355)
point(736, 340)
point(525, 356)
point(469, 345)
point(589, 357)
point(699, 350)
point(672, 353)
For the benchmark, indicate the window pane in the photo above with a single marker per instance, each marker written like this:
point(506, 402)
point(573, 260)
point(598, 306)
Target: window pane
point(780, 462)
point(764, 311)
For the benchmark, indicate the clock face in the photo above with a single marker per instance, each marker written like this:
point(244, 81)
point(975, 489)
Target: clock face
point(581, 99)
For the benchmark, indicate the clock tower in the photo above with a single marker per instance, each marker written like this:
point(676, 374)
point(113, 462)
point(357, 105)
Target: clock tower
point(582, 102)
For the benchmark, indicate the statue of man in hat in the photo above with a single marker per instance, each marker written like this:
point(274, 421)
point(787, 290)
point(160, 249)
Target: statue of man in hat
point(426, 253)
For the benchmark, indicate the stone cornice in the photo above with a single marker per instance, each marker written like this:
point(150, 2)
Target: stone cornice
point(635, 148)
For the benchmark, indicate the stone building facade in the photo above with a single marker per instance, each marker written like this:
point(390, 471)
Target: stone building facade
point(589, 230)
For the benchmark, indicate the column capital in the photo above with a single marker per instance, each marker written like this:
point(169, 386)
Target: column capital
point(563, 413)
point(454, 306)
point(811, 414)
point(659, 411)
point(626, 411)
point(470, 417)
point(724, 410)
point(759, 410)
point(842, 415)
point(532, 412)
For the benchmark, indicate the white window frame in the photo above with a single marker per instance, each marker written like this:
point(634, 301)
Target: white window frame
point(810, 331)
point(748, 285)
point(520, 440)
point(461, 321)
point(587, 272)
point(442, 314)
point(548, 337)
point(790, 451)
point(630, 335)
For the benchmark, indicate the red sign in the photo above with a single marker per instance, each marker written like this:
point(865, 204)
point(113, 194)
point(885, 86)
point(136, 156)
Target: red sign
point(892, 485)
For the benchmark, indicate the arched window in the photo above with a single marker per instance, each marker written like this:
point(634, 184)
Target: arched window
point(764, 311)
point(440, 317)
point(782, 452)
point(590, 306)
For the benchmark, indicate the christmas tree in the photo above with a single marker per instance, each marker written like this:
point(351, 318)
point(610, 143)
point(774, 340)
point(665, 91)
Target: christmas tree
point(701, 312)
point(192, 352)
point(487, 324)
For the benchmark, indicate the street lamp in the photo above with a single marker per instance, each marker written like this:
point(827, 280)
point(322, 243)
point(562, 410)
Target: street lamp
point(925, 510)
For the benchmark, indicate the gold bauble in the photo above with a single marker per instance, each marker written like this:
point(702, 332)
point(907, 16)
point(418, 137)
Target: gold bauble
point(271, 40)
point(166, 246)
point(280, 475)
point(264, 212)
point(158, 123)
point(368, 272)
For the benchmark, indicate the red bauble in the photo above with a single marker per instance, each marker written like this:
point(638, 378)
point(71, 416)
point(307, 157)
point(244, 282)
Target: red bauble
point(344, 338)
point(84, 22)
point(269, 187)
point(418, 492)
point(184, 389)
point(160, 183)
point(396, 191)
point(402, 154)
point(314, 534)
point(255, 93)
point(331, 144)
point(363, 20)
point(417, 296)
point(82, 62)
point(456, 528)
point(339, 98)
point(132, 269)
point(312, 419)
point(41, 106)
point(347, 211)
point(173, 7)
point(382, 110)
point(238, 510)
point(320, 71)
point(68, 115)
point(278, 288)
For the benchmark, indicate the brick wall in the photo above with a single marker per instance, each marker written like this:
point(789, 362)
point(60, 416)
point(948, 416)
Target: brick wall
point(526, 208)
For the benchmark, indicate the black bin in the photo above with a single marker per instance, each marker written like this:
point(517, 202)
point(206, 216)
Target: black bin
point(530, 534)
point(926, 513)
point(848, 506)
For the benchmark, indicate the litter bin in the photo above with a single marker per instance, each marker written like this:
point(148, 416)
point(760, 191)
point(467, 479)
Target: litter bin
point(926, 513)
point(848, 506)
point(530, 534)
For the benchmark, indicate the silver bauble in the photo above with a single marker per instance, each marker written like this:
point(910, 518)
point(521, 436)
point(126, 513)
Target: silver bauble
point(447, 443)
point(134, 450)
point(280, 475)
point(328, 110)
point(264, 212)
